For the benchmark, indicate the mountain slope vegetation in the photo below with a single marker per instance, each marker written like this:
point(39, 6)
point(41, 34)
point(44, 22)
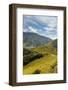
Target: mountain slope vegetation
point(46, 63)
point(34, 40)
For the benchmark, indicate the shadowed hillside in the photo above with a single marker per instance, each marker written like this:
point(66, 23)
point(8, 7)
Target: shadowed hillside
point(34, 40)
point(29, 56)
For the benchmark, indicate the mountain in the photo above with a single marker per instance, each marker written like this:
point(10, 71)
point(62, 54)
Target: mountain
point(34, 40)
point(50, 47)
point(54, 43)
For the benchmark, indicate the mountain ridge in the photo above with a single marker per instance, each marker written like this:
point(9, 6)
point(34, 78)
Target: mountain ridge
point(33, 39)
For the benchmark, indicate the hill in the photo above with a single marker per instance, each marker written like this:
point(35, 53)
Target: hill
point(50, 47)
point(47, 63)
point(34, 40)
point(54, 43)
point(29, 55)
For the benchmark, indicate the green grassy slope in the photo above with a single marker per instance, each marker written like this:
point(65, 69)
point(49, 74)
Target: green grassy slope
point(45, 64)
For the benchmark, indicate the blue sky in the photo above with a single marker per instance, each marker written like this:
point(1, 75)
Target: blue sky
point(43, 25)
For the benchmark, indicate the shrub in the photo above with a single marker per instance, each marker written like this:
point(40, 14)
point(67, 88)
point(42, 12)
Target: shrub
point(37, 71)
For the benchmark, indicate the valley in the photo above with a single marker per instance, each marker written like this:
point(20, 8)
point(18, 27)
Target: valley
point(40, 59)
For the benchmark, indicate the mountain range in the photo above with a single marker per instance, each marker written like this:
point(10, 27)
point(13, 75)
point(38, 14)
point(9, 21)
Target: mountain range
point(34, 40)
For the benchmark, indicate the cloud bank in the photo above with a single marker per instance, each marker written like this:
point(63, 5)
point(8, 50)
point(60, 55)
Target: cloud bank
point(43, 25)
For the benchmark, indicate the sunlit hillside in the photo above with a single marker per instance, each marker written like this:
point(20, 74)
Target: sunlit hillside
point(42, 60)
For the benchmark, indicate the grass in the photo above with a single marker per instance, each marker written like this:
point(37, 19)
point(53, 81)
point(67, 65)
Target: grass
point(45, 64)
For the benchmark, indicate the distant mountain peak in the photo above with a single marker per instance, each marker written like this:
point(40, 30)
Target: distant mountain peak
point(31, 39)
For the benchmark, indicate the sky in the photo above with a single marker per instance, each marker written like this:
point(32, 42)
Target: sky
point(40, 24)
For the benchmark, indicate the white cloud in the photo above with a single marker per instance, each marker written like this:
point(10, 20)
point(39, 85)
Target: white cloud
point(52, 24)
point(51, 21)
point(32, 29)
point(25, 30)
point(49, 29)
